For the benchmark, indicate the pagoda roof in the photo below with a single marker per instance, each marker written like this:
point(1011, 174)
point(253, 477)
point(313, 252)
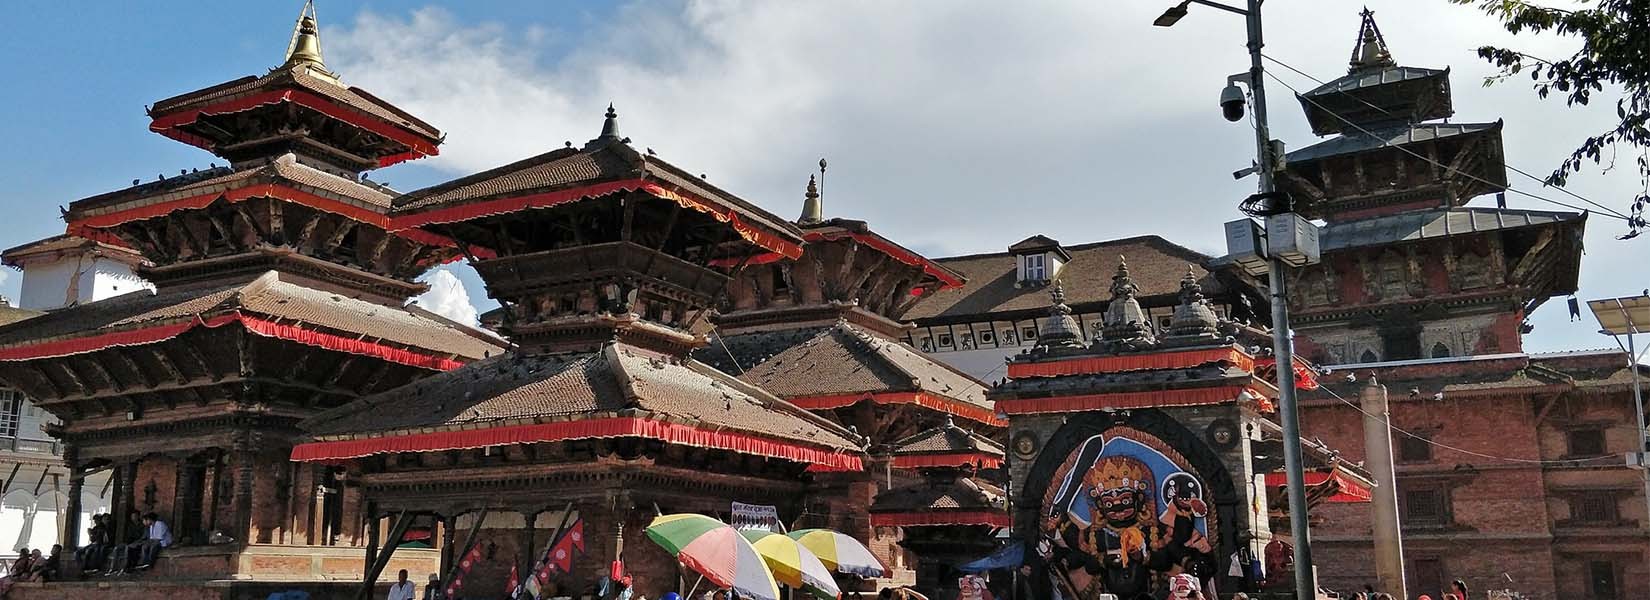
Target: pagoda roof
point(601, 167)
point(859, 231)
point(1367, 78)
point(993, 286)
point(18, 255)
point(947, 446)
point(842, 364)
point(1328, 478)
point(1357, 141)
point(294, 77)
point(617, 391)
point(1438, 223)
point(269, 305)
point(364, 202)
point(939, 502)
point(10, 314)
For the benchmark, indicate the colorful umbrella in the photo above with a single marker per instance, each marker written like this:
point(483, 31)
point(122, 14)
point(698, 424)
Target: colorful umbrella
point(717, 551)
point(794, 565)
point(840, 552)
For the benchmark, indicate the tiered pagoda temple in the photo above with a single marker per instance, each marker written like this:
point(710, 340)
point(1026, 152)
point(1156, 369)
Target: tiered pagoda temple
point(1136, 454)
point(821, 331)
point(952, 512)
point(1508, 468)
point(1409, 271)
point(606, 260)
point(280, 292)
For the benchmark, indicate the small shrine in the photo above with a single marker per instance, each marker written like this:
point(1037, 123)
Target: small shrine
point(606, 260)
point(953, 511)
point(1137, 455)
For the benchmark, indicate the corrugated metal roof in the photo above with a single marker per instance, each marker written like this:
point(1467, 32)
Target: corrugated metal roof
point(1358, 142)
point(1364, 79)
point(1422, 225)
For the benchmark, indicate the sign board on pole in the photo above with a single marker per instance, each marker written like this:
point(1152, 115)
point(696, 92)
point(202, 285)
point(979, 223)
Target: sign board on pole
point(756, 516)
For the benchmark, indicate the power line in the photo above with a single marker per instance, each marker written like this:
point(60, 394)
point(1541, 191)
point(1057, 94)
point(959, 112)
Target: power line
point(1607, 211)
point(1390, 426)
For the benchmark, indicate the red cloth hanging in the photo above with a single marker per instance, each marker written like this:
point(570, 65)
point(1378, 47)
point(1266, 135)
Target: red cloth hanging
point(675, 433)
point(940, 518)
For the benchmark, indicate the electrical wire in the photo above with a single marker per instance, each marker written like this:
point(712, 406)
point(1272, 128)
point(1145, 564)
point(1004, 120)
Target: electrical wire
point(1390, 426)
point(1607, 211)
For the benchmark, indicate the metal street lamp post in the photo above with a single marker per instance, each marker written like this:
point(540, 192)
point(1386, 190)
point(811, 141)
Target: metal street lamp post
point(1266, 160)
point(1628, 317)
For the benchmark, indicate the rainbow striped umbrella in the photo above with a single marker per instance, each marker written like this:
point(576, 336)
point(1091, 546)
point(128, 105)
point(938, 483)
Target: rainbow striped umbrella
point(840, 552)
point(717, 551)
point(794, 565)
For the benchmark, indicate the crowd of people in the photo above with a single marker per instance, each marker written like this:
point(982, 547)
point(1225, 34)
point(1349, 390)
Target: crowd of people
point(146, 535)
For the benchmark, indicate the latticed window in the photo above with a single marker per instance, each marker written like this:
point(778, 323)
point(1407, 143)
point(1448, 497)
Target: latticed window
point(11, 411)
point(1586, 442)
point(1414, 449)
point(1594, 508)
point(1426, 507)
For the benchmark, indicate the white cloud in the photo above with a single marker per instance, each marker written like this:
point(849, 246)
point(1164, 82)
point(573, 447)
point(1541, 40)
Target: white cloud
point(952, 127)
point(447, 297)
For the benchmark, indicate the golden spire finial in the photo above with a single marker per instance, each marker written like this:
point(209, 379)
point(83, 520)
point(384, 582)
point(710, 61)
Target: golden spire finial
point(305, 47)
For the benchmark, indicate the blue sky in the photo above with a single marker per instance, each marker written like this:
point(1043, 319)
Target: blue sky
point(953, 126)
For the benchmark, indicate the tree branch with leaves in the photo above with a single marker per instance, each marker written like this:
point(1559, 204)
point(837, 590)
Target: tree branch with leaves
point(1614, 53)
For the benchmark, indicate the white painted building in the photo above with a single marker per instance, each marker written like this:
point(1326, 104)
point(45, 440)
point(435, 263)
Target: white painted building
point(57, 272)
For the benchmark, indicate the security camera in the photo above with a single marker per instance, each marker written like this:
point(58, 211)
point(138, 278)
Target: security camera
point(1231, 103)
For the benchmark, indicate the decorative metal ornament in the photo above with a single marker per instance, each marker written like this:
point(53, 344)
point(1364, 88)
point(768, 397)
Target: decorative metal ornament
point(1025, 444)
point(1222, 434)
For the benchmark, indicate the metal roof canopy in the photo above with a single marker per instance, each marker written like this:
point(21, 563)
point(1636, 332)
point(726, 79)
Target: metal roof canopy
point(1622, 316)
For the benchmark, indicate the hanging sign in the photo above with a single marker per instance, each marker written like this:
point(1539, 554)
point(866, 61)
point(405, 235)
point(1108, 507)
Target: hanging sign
point(756, 516)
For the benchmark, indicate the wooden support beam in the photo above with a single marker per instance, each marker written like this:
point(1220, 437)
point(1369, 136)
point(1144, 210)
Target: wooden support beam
point(67, 364)
point(338, 234)
point(195, 356)
point(397, 531)
point(6, 487)
point(127, 361)
point(338, 371)
point(308, 231)
point(377, 377)
point(844, 292)
point(470, 541)
point(159, 387)
point(97, 368)
point(156, 352)
point(277, 221)
point(57, 390)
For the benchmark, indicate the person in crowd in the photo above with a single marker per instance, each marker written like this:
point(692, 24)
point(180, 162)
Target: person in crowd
point(432, 590)
point(19, 569)
point(156, 535)
point(402, 589)
point(125, 549)
point(47, 568)
point(100, 537)
point(1459, 588)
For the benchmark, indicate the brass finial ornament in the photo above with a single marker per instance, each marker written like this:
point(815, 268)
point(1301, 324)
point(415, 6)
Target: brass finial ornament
point(812, 209)
point(610, 130)
point(1370, 51)
point(305, 48)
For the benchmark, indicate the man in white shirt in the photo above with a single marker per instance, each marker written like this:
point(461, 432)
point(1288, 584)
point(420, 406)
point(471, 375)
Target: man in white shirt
point(156, 536)
point(402, 589)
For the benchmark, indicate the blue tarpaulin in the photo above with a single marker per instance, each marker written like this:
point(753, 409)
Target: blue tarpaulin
point(1007, 557)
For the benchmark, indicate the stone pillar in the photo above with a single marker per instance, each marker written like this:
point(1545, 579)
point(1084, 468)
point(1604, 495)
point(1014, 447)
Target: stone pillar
point(1389, 545)
point(71, 521)
point(528, 556)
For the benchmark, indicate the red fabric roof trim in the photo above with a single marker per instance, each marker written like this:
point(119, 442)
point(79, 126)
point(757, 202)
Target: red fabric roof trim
point(320, 339)
point(454, 214)
point(818, 468)
point(259, 326)
point(1131, 362)
point(88, 227)
point(1306, 376)
point(923, 399)
point(1351, 491)
point(1189, 397)
point(954, 459)
point(674, 433)
point(940, 518)
point(893, 250)
point(168, 124)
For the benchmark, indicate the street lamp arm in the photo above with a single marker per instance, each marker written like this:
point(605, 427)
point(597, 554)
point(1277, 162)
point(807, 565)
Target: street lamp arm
point(1230, 9)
